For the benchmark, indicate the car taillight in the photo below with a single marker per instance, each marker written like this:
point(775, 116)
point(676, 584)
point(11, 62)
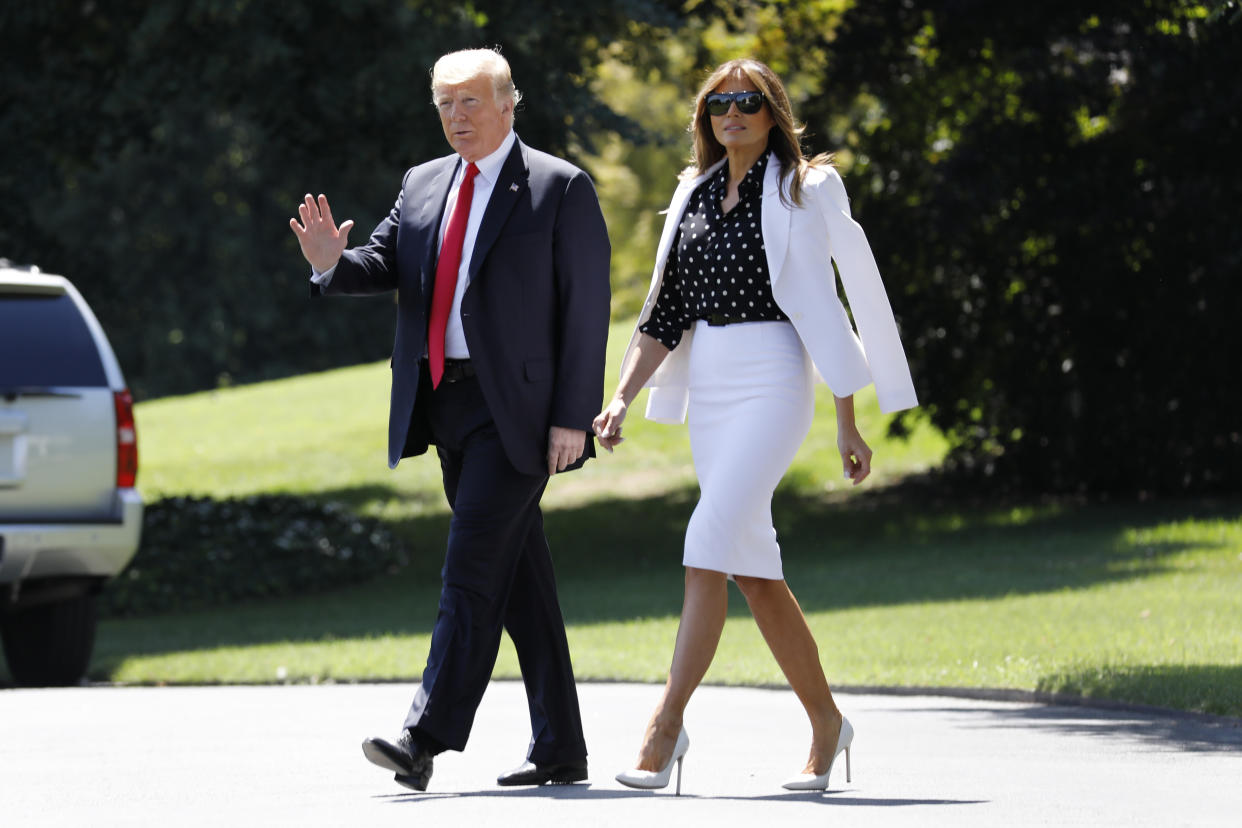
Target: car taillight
point(126, 441)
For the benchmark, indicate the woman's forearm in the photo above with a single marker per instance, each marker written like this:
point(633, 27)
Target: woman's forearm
point(845, 413)
point(646, 357)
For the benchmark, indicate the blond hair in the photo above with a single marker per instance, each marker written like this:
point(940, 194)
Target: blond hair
point(784, 139)
point(467, 64)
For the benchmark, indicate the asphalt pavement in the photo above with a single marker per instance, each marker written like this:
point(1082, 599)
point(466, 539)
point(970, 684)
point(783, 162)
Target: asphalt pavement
point(290, 755)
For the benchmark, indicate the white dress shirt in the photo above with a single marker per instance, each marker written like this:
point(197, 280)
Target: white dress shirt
point(484, 182)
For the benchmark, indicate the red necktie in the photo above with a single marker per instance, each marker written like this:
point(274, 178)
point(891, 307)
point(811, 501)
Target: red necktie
point(446, 275)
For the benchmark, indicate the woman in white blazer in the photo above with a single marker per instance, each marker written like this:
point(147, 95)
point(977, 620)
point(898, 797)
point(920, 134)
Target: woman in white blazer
point(742, 317)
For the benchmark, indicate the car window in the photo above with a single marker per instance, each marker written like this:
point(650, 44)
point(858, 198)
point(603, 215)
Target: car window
point(44, 341)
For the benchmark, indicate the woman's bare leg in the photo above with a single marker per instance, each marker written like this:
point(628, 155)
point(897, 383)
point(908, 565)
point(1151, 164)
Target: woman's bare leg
point(784, 627)
point(702, 620)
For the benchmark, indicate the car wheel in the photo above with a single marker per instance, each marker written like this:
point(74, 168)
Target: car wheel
point(49, 645)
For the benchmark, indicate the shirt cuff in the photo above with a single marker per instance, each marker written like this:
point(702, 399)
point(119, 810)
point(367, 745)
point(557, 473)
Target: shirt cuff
point(322, 279)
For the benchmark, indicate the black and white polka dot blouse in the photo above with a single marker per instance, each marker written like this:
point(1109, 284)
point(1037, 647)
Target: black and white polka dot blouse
point(716, 269)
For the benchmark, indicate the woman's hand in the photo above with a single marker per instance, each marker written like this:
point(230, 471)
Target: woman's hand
point(645, 356)
point(855, 454)
point(608, 424)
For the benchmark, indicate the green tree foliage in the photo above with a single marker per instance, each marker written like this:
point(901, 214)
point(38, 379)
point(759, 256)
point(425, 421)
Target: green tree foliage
point(1230, 10)
point(636, 176)
point(651, 76)
point(1047, 189)
point(1046, 186)
point(155, 150)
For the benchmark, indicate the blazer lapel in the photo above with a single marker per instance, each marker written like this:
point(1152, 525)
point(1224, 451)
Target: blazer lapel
point(510, 185)
point(430, 217)
point(776, 219)
point(672, 221)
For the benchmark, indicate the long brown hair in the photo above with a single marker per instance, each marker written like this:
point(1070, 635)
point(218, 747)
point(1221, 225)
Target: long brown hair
point(784, 139)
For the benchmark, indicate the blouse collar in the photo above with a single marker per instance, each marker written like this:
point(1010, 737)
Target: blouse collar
point(751, 185)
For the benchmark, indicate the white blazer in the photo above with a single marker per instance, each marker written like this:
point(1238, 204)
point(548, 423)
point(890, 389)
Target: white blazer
point(800, 243)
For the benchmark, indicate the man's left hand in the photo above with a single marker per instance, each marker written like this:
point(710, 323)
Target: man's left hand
point(565, 445)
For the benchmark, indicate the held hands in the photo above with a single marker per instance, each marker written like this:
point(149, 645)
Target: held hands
point(565, 445)
point(646, 356)
point(855, 454)
point(607, 424)
point(321, 240)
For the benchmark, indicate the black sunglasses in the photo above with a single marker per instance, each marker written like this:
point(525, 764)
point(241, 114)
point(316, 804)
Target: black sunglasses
point(748, 103)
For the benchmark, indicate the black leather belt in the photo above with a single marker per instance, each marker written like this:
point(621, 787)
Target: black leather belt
point(456, 370)
point(717, 320)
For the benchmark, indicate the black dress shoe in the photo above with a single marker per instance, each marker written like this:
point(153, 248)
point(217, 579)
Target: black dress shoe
point(531, 774)
point(411, 763)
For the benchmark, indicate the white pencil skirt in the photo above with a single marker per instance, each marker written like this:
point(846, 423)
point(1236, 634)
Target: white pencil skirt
point(751, 403)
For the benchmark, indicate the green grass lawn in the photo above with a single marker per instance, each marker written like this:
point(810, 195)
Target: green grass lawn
point(1131, 601)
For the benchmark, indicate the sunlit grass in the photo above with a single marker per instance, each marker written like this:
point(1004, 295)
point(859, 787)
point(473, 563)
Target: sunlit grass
point(325, 435)
point(902, 587)
point(985, 604)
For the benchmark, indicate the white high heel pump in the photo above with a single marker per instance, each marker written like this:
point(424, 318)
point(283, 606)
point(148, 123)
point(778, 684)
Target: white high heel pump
point(649, 780)
point(819, 782)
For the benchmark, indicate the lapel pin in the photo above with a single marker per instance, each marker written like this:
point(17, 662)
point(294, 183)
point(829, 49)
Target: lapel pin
point(513, 188)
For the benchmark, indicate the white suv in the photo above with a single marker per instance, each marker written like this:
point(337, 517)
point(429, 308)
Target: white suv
point(70, 517)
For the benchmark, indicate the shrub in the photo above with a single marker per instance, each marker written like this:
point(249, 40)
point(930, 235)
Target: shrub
point(1044, 186)
point(202, 552)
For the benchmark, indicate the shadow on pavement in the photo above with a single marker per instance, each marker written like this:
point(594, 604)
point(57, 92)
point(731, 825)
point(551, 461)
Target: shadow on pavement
point(586, 792)
point(1169, 730)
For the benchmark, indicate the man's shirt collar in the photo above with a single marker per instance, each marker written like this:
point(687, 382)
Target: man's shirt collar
point(490, 165)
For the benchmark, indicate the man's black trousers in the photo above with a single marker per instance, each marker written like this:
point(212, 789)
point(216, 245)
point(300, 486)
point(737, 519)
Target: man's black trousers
point(497, 574)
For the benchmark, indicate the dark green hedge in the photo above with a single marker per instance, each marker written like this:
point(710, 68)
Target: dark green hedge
point(1046, 189)
point(177, 139)
point(201, 552)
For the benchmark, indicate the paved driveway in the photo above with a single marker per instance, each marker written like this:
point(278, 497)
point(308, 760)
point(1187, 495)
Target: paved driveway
point(242, 756)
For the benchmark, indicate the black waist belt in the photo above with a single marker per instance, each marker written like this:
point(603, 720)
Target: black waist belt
point(717, 320)
point(456, 370)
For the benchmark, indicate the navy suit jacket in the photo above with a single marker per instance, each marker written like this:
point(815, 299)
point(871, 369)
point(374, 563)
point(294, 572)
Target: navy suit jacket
point(535, 311)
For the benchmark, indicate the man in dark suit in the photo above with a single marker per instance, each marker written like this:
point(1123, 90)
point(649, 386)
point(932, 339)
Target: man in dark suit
point(499, 256)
